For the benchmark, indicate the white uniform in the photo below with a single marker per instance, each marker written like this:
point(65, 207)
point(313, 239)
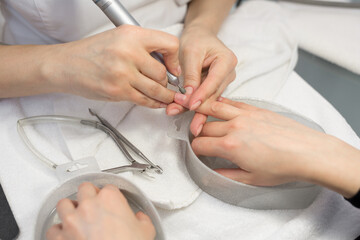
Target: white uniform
point(58, 21)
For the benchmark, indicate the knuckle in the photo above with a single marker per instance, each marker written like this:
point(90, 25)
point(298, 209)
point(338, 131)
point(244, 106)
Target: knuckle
point(110, 193)
point(141, 100)
point(154, 89)
point(162, 74)
point(128, 29)
point(69, 221)
point(235, 125)
point(123, 53)
point(232, 76)
point(192, 78)
point(87, 206)
point(85, 184)
point(113, 92)
point(195, 145)
point(61, 202)
point(233, 59)
point(229, 144)
point(216, 106)
point(173, 42)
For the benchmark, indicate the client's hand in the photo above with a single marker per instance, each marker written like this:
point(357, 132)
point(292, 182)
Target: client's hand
point(271, 149)
point(100, 214)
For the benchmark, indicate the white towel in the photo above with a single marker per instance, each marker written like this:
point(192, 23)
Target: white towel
point(328, 32)
point(26, 181)
point(267, 55)
point(329, 217)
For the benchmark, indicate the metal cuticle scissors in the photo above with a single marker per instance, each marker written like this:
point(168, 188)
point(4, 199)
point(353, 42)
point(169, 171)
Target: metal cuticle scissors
point(104, 126)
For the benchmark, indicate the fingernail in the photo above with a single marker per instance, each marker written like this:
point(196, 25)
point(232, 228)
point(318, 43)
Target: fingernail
point(179, 70)
point(163, 105)
point(173, 112)
point(195, 105)
point(198, 131)
point(220, 99)
point(180, 97)
point(189, 90)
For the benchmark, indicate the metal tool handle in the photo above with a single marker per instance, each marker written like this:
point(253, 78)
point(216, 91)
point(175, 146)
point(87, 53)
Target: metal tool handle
point(42, 119)
point(118, 15)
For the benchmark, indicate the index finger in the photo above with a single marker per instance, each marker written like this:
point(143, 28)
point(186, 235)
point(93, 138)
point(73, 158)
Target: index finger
point(167, 45)
point(220, 110)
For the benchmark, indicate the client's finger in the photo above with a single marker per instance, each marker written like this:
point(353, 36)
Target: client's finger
point(183, 99)
point(64, 207)
point(174, 109)
point(86, 190)
point(197, 123)
point(220, 110)
point(208, 146)
point(214, 129)
point(218, 71)
point(236, 174)
point(237, 104)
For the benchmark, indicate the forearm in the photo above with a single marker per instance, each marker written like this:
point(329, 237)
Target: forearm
point(208, 14)
point(338, 168)
point(22, 70)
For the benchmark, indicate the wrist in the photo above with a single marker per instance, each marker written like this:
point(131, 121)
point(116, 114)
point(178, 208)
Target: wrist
point(196, 26)
point(52, 68)
point(335, 166)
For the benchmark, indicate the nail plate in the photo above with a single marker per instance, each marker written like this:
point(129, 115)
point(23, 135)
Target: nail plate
point(198, 131)
point(195, 105)
point(173, 112)
point(180, 97)
point(189, 90)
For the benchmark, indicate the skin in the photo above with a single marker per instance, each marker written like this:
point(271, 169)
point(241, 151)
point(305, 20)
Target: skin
point(98, 67)
point(100, 214)
point(208, 66)
point(271, 149)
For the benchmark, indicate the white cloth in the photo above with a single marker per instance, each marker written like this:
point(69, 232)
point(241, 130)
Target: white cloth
point(267, 55)
point(329, 217)
point(328, 32)
point(26, 181)
point(49, 22)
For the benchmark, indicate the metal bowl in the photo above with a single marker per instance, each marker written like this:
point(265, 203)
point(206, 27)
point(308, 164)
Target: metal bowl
point(137, 201)
point(293, 195)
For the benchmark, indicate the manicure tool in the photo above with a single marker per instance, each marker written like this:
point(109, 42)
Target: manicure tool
point(118, 15)
point(104, 126)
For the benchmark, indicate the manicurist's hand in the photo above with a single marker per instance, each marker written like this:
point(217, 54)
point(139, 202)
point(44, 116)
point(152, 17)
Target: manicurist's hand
point(113, 66)
point(100, 214)
point(271, 149)
point(116, 65)
point(208, 66)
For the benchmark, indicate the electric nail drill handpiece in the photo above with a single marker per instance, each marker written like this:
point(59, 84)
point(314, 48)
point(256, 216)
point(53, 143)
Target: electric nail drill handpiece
point(118, 15)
